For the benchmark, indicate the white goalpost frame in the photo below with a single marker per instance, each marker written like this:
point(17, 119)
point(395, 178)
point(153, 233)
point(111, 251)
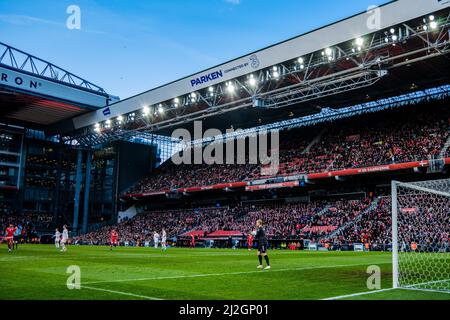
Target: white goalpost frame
point(395, 236)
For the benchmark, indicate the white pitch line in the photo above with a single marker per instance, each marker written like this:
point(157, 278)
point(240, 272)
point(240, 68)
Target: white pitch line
point(358, 294)
point(426, 290)
point(411, 287)
point(230, 273)
point(120, 293)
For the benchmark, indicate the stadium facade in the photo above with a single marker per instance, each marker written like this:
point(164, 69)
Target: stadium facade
point(80, 156)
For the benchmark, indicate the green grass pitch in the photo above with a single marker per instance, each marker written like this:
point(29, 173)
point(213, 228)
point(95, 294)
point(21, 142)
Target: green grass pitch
point(40, 272)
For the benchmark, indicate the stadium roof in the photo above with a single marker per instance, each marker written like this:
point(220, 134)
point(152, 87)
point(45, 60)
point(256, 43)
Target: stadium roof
point(36, 93)
point(400, 47)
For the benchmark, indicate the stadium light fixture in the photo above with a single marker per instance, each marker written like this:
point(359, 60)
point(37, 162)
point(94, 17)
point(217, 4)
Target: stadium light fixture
point(433, 25)
point(359, 42)
point(301, 60)
point(252, 81)
point(160, 109)
point(431, 18)
point(276, 74)
point(230, 87)
point(328, 52)
point(146, 111)
point(120, 119)
point(193, 95)
point(392, 30)
point(394, 37)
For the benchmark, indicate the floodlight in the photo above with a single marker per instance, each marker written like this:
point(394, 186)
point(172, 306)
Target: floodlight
point(359, 42)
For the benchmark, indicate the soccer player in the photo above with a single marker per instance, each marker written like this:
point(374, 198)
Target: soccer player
point(57, 237)
point(114, 239)
point(10, 237)
point(163, 240)
point(250, 242)
point(156, 239)
point(261, 237)
point(192, 241)
point(17, 235)
point(65, 238)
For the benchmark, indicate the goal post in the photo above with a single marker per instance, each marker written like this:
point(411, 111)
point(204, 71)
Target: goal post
point(420, 235)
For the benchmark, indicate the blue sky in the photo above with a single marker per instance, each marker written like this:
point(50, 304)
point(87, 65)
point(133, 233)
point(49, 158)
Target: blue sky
point(130, 46)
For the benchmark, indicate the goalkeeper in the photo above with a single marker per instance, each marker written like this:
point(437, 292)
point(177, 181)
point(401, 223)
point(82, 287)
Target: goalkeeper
point(261, 237)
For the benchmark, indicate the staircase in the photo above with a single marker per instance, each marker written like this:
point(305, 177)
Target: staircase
point(314, 142)
point(323, 211)
point(372, 207)
point(446, 147)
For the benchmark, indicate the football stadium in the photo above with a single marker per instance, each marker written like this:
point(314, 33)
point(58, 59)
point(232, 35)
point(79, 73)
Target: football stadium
point(314, 169)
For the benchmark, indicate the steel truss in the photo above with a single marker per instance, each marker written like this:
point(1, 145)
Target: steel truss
point(338, 69)
point(326, 115)
point(24, 62)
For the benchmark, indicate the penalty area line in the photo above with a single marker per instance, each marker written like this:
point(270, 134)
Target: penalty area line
point(358, 294)
point(120, 293)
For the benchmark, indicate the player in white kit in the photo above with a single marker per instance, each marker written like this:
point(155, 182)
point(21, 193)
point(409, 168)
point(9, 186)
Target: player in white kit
point(65, 238)
point(164, 240)
point(156, 239)
point(57, 237)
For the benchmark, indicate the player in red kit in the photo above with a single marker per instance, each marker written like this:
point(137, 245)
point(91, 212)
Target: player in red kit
point(250, 242)
point(114, 239)
point(192, 241)
point(10, 237)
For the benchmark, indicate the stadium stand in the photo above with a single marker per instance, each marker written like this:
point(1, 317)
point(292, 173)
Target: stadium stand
point(312, 220)
point(387, 138)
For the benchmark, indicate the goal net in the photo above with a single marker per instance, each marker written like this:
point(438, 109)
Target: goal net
point(420, 231)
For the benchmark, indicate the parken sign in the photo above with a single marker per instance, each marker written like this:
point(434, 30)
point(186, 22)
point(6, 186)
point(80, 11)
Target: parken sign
point(207, 78)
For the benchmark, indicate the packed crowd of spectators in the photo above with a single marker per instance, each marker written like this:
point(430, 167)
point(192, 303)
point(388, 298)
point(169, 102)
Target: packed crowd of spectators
point(171, 176)
point(374, 227)
point(312, 221)
point(142, 227)
point(28, 223)
point(337, 215)
point(422, 219)
point(379, 140)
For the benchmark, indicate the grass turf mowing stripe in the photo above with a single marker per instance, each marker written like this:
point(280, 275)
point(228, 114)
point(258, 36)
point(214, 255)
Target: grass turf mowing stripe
point(231, 273)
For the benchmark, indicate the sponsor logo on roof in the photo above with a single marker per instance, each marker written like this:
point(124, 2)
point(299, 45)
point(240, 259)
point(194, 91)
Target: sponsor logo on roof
point(107, 112)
